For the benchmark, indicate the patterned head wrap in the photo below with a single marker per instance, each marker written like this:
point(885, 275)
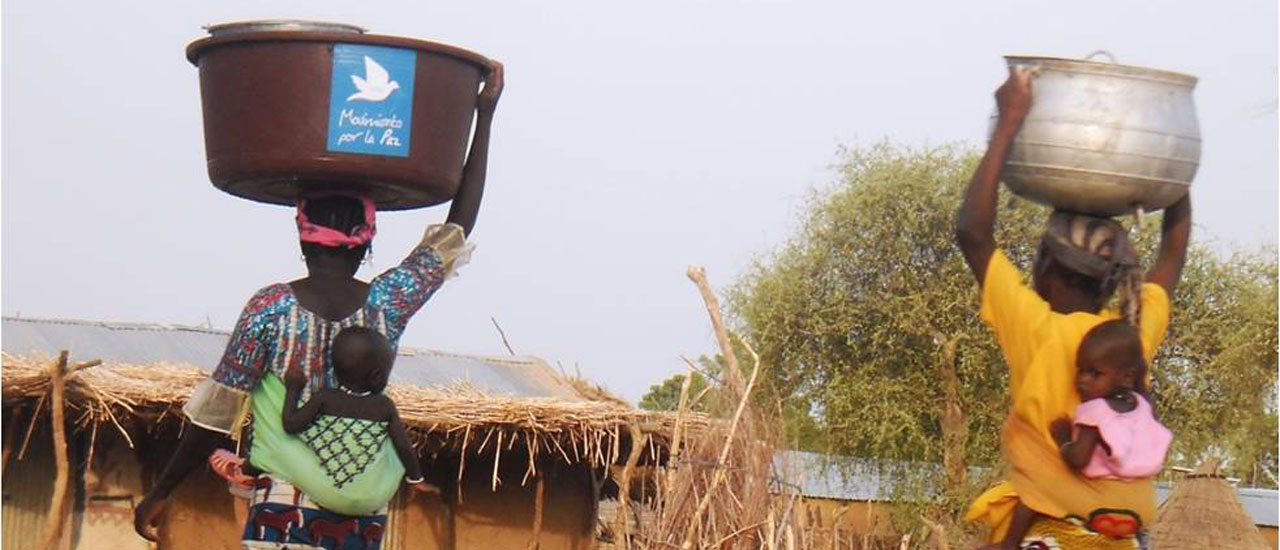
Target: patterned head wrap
point(1100, 249)
point(1097, 248)
point(360, 235)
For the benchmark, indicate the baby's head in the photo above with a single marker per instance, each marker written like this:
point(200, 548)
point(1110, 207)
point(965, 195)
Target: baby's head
point(1109, 360)
point(362, 359)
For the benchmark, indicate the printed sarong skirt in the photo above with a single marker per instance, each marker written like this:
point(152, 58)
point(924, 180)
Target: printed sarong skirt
point(282, 518)
point(1070, 534)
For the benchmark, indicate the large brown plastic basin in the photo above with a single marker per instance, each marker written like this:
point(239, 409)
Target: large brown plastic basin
point(266, 118)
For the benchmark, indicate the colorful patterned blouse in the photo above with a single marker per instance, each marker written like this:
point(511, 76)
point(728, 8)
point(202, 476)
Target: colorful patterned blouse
point(275, 333)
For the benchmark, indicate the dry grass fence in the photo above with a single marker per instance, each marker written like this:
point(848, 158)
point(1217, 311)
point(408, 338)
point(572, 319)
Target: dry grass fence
point(721, 487)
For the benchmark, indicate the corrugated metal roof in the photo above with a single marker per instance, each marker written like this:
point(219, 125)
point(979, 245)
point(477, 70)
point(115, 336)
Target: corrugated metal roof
point(851, 478)
point(522, 376)
point(121, 342)
point(848, 478)
point(829, 476)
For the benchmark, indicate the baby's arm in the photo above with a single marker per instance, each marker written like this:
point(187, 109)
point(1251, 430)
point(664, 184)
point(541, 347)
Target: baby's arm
point(1075, 452)
point(400, 440)
point(295, 419)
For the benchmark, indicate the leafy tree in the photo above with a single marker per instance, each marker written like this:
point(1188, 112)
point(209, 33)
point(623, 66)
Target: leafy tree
point(666, 395)
point(868, 314)
point(868, 318)
point(1215, 376)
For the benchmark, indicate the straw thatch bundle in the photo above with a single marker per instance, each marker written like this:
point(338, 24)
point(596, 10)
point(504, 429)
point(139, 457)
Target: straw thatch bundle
point(1203, 512)
point(715, 490)
point(460, 417)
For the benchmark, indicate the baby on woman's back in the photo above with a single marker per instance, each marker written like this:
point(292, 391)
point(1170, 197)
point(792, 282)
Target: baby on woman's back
point(347, 426)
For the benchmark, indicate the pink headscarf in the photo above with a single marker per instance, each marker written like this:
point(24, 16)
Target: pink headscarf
point(326, 236)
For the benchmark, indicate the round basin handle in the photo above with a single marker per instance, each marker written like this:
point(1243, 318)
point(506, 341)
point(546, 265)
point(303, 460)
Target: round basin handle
point(493, 83)
point(1110, 58)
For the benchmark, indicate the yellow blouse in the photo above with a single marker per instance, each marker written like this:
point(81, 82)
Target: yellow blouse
point(1040, 347)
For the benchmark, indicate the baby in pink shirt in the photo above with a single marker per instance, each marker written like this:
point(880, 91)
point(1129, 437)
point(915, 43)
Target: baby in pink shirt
point(1115, 434)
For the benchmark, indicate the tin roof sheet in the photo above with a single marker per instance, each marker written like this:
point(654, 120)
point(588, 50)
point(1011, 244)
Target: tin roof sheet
point(144, 343)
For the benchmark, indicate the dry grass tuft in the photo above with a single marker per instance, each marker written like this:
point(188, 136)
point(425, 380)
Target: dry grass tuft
point(715, 489)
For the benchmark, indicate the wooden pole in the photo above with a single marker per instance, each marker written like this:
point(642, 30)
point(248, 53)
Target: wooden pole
point(536, 542)
point(57, 506)
point(57, 517)
point(734, 375)
point(699, 277)
point(624, 485)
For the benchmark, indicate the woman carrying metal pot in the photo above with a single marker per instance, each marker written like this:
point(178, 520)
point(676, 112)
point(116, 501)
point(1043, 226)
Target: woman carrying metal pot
point(1081, 263)
point(287, 327)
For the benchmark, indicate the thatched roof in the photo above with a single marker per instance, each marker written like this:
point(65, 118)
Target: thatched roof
point(515, 402)
point(1203, 512)
point(578, 429)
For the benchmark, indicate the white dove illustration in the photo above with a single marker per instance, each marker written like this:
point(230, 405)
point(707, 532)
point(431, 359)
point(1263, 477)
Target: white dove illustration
point(376, 84)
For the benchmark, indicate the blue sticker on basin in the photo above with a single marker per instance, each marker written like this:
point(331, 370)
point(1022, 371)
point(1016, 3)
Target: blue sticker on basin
point(371, 100)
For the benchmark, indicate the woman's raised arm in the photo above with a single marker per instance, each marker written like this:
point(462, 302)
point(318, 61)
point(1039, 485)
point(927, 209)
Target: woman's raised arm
point(466, 204)
point(976, 221)
point(1175, 234)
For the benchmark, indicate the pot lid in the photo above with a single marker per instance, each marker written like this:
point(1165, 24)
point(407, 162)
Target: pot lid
point(1089, 66)
point(281, 25)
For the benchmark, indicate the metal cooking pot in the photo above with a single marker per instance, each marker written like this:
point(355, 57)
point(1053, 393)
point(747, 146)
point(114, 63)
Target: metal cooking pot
point(1103, 138)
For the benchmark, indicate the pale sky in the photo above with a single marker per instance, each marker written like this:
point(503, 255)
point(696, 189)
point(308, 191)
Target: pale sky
point(633, 140)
